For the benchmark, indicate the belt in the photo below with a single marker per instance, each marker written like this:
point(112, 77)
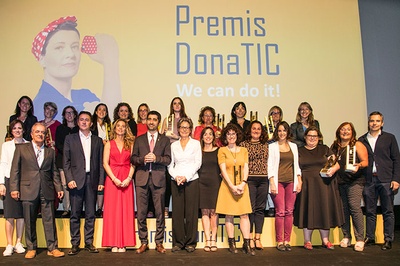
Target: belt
point(374, 174)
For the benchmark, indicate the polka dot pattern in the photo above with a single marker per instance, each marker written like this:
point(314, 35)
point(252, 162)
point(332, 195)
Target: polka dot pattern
point(89, 45)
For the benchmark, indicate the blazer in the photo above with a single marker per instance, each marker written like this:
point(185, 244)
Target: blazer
point(273, 163)
point(162, 150)
point(29, 179)
point(386, 157)
point(75, 164)
point(298, 133)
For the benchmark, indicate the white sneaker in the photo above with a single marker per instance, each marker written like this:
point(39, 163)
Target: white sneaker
point(121, 250)
point(8, 251)
point(19, 248)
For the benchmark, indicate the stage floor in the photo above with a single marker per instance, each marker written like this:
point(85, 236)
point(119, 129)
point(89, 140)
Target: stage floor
point(269, 256)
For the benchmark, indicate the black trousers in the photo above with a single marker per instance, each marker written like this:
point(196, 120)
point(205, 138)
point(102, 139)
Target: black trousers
point(86, 195)
point(372, 191)
point(258, 188)
point(185, 211)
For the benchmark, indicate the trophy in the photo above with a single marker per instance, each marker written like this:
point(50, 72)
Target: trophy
point(8, 135)
point(350, 158)
point(49, 139)
point(331, 161)
point(170, 125)
point(106, 129)
point(237, 174)
point(220, 121)
point(253, 117)
point(269, 124)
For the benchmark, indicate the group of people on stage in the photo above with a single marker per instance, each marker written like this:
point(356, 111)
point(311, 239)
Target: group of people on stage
point(89, 163)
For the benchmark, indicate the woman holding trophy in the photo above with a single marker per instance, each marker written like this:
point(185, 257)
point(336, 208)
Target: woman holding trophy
point(352, 156)
point(318, 205)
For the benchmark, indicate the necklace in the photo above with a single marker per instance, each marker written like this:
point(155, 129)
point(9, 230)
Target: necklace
point(234, 156)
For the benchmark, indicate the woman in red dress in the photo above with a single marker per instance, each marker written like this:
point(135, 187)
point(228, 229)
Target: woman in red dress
point(119, 215)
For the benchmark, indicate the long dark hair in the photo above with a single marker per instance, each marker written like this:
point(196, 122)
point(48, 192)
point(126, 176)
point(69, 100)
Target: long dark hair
point(233, 115)
point(106, 118)
point(202, 134)
point(18, 109)
point(289, 133)
point(182, 113)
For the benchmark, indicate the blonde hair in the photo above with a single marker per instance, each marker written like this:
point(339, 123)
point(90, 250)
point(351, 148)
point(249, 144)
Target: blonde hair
point(129, 139)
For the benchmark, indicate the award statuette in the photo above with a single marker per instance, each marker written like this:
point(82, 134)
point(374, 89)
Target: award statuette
point(331, 161)
point(170, 125)
point(8, 135)
point(49, 139)
point(270, 126)
point(220, 121)
point(350, 158)
point(236, 175)
point(253, 117)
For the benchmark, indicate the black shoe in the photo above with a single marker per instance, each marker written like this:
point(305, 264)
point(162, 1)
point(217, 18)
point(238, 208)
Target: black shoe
point(387, 245)
point(232, 246)
point(74, 250)
point(271, 212)
point(176, 249)
point(91, 248)
point(369, 241)
point(190, 249)
point(280, 247)
point(99, 213)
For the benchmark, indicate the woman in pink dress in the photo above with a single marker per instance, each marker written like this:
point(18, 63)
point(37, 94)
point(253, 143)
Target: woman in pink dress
point(119, 215)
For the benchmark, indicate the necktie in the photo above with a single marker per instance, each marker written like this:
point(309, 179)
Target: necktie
point(152, 143)
point(151, 148)
point(38, 156)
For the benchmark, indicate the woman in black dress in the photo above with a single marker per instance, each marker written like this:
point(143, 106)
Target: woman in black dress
point(318, 205)
point(24, 111)
point(209, 182)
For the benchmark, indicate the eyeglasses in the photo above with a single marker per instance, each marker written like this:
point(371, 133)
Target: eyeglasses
point(231, 134)
point(185, 128)
point(312, 136)
point(69, 113)
point(275, 113)
point(207, 115)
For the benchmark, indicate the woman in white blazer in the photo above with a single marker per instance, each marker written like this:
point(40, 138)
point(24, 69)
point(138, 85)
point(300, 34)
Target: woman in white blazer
point(284, 175)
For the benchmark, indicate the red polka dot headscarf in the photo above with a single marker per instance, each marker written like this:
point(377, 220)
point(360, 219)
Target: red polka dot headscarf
point(40, 39)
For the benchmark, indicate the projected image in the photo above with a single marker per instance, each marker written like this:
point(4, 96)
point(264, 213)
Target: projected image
point(57, 49)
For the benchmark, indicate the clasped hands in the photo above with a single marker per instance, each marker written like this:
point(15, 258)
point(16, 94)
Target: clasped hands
point(238, 189)
point(180, 180)
point(150, 158)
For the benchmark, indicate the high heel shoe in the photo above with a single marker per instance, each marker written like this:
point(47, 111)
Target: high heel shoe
point(232, 246)
point(207, 248)
point(247, 248)
point(258, 247)
point(214, 247)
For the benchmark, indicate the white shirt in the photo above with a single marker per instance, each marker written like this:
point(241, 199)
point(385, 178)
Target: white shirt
point(39, 152)
point(7, 155)
point(101, 131)
point(372, 142)
point(86, 145)
point(155, 135)
point(185, 162)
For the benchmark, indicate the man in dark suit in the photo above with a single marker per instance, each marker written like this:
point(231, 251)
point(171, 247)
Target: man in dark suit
point(151, 155)
point(383, 177)
point(34, 179)
point(84, 172)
